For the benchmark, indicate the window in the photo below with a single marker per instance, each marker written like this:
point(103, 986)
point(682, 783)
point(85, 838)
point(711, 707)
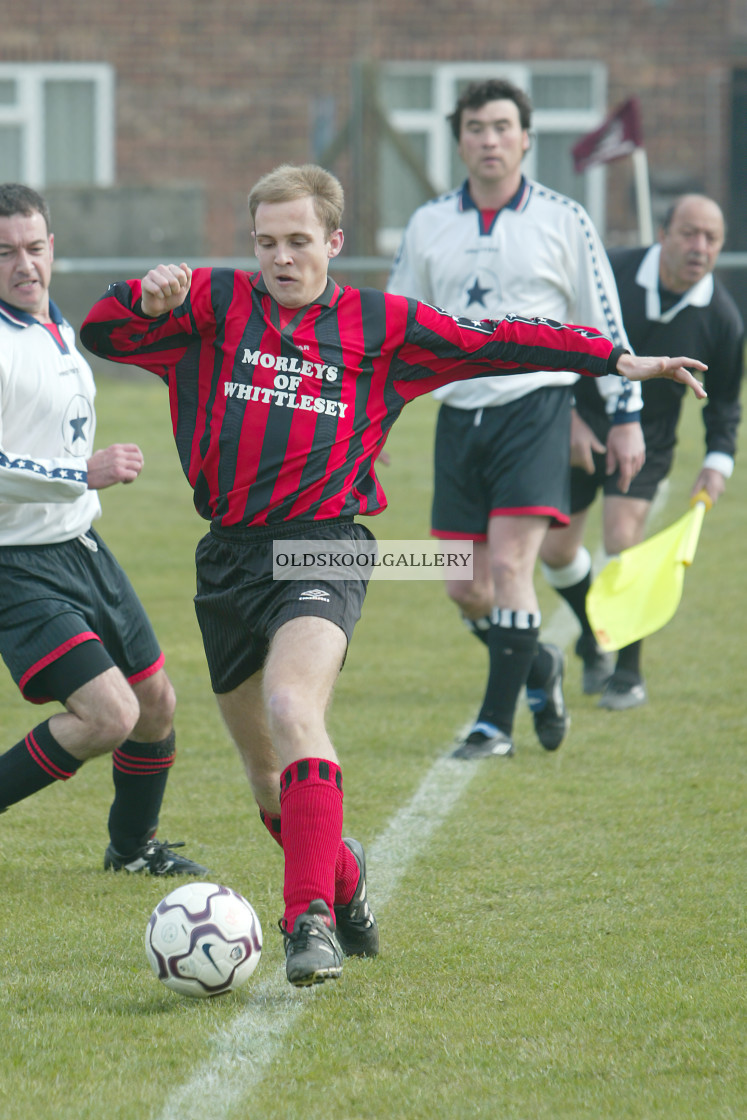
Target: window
point(57, 124)
point(568, 98)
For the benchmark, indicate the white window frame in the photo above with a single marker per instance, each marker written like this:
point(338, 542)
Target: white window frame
point(28, 114)
point(432, 122)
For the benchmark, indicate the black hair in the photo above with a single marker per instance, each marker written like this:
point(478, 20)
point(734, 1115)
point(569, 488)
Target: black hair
point(478, 94)
point(15, 198)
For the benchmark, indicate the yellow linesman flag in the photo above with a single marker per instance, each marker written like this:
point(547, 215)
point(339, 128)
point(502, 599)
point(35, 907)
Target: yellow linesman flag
point(637, 592)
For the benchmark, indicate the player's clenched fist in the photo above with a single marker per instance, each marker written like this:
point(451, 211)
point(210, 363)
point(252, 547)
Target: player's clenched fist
point(120, 462)
point(164, 288)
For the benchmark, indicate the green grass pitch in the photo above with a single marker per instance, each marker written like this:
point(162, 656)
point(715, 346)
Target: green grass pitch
point(566, 947)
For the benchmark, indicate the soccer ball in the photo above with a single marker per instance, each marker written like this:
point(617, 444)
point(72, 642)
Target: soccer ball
point(203, 939)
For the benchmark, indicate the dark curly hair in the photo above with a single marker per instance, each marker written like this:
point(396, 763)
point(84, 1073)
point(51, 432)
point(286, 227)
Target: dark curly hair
point(15, 198)
point(478, 94)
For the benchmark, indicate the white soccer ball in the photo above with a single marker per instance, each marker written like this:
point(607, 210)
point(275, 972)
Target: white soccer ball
point(203, 939)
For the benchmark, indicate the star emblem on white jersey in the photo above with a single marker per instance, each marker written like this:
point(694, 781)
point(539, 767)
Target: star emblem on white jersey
point(476, 294)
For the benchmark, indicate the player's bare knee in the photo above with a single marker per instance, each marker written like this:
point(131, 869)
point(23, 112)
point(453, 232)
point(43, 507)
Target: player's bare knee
point(105, 711)
point(474, 599)
point(282, 706)
point(290, 712)
point(156, 699)
point(557, 553)
point(108, 727)
point(513, 582)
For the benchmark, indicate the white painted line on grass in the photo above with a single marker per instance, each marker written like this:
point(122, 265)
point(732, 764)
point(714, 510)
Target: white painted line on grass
point(242, 1053)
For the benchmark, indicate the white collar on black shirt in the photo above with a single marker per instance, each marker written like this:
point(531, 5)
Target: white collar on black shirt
point(647, 276)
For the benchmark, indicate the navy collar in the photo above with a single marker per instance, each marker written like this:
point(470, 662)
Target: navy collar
point(466, 201)
point(24, 319)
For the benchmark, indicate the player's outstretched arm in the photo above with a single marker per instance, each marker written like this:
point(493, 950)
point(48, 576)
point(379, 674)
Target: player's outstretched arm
point(165, 288)
point(637, 368)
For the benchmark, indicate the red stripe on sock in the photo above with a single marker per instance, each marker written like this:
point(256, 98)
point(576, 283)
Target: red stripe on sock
point(44, 762)
point(136, 764)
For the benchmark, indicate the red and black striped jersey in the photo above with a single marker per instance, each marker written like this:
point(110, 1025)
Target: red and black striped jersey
point(279, 418)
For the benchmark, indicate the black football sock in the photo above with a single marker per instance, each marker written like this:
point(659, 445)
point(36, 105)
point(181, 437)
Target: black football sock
point(35, 762)
point(572, 583)
point(480, 627)
point(541, 667)
point(629, 658)
point(512, 642)
point(575, 597)
point(140, 771)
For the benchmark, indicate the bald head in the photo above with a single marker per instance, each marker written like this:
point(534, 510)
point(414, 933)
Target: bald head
point(691, 236)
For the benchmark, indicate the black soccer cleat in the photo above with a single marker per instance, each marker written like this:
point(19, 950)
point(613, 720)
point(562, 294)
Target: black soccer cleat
point(484, 742)
point(154, 858)
point(547, 705)
point(312, 951)
point(623, 690)
point(356, 928)
point(598, 666)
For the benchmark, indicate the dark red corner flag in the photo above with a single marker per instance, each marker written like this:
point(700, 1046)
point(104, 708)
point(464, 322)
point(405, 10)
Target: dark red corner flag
point(618, 136)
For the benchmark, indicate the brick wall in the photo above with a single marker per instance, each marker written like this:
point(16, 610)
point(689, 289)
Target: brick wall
point(213, 93)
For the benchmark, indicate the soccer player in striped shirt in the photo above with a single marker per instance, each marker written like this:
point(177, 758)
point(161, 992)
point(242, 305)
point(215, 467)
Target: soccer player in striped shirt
point(283, 387)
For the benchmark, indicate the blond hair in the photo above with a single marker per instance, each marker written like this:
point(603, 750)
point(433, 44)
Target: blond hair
point(290, 181)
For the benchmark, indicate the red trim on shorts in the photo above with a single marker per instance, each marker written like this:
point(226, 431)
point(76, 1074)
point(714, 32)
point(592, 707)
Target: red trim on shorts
point(55, 655)
point(532, 511)
point(149, 672)
point(446, 535)
point(44, 762)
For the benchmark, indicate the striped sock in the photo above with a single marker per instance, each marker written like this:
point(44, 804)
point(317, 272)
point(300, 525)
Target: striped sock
point(512, 642)
point(140, 771)
point(33, 763)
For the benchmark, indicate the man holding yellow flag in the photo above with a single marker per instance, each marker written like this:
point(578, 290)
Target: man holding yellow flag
point(671, 302)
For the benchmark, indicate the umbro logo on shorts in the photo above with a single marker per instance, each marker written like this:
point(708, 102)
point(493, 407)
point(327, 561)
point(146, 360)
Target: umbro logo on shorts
point(315, 593)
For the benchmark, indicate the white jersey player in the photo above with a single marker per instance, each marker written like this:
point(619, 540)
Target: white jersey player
point(504, 243)
point(72, 628)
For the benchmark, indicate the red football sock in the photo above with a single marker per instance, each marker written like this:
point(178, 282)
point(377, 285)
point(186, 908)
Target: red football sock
point(311, 815)
point(347, 872)
point(272, 824)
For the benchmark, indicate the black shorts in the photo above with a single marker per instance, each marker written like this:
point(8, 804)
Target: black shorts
point(510, 460)
point(240, 606)
point(660, 434)
point(68, 613)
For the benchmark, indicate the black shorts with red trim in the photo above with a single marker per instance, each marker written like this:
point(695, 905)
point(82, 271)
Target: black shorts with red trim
point(660, 434)
point(509, 460)
point(68, 612)
point(240, 606)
